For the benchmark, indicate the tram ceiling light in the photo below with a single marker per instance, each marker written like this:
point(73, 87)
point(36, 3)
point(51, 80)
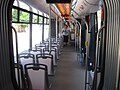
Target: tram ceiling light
point(61, 8)
point(67, 8)
point(64, 9)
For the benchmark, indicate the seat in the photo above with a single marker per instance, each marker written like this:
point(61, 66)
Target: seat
point(35, 52)
point(37, 76)
point(26, 58)
point(54, 53)
point(46, 59)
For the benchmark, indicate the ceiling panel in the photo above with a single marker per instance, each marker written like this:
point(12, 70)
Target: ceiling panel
point(40, 5)
point(84, 7)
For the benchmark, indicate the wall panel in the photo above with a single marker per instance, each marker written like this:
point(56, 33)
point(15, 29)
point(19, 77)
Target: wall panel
point(112, 44)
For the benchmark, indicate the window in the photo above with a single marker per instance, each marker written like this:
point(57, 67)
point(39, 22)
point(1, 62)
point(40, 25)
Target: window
point(35, 19)
point(47, 21)
point(40, 19)
point(16, 3)
point(23, 37)
point(24, 16)
point(14, 15)
point(46, 32)
point(36, 34)
point(44, 20)
point(99, 18)
point(24, 6)
point(40, 13)
point(35, 10)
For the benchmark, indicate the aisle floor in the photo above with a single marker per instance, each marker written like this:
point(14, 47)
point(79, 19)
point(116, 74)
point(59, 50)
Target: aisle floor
point(69, 74)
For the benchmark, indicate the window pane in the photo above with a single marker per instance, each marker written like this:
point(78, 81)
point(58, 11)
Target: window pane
point(40, 13)
point(35, 10)
point(24, 6)
point(23, 37)
point(44, 20)
point(36, 34)
point(35, 18)
point(46, 32)
point(47, 21)
point(15, 3)
point(24, 16)
point(14, 15)
point(99, 18)
point(47, 16)
point(40, 19)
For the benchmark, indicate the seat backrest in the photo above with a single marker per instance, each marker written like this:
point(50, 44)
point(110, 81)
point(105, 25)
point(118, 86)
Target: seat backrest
point(37, 76)
point(54, 53)
point(40, 46)
point(35, 52)
point(21, 81)
point(46, 59)
point(26, 58)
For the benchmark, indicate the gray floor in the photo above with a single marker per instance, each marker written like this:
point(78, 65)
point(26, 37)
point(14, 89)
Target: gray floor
point(69, 74)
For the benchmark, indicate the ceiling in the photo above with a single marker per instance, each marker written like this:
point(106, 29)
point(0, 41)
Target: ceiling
point(82, 7)
point(85, 7)
point(42, 6)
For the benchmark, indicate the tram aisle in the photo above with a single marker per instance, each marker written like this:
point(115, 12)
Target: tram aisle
point(69, 74)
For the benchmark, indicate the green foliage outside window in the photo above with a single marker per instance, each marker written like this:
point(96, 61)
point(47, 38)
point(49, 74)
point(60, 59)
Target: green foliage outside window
point(24, 16)
point(35, 19)
point(40, 19)
point(14, 15)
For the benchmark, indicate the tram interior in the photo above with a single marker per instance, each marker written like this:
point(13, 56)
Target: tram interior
point(42, 61)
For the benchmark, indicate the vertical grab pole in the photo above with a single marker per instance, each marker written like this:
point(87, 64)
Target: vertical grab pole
point(86, 59)
point(56, 28)
point(78, 38)
point(49, 27)
point(98, 57)
point(79, 35)
point(43, 30)
point(61, 31)
point(75, 35)
point(16, 40)
point(77, 48)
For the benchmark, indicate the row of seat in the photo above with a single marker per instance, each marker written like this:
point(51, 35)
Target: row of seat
point(37, 64)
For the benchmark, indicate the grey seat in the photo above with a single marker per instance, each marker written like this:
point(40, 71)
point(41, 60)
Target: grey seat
point(46, 59)
point(37, 76)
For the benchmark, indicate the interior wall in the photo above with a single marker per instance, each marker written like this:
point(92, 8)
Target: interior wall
point(112, 45)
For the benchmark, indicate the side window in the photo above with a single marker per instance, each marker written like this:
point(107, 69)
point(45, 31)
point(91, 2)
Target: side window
point(40, 19)
point(23, 37)
point(35, 19)
point(24, 16)
point(14, 15)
